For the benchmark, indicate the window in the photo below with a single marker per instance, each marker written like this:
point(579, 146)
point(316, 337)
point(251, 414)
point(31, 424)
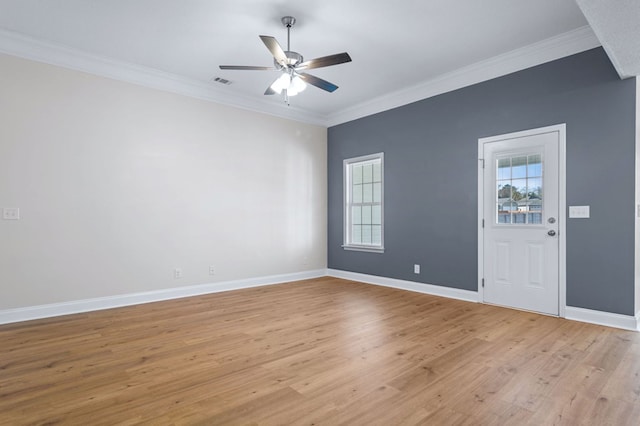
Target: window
point(363, 203)
point(519, 196)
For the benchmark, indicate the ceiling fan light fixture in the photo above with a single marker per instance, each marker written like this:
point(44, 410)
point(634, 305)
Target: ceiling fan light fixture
point(296, 86)
point(281, 83)
point(293, 85)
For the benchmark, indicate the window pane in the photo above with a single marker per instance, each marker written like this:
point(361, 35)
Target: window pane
point(356, 234)
point(504, 168)
point(534, 169)
point(535, 218)
point(518, 189)
point(504, 216)
point(519, 167)
point(376, 235)
point(367, 193)
point(376, 215)
point(377, 172)
point(508, 206)
point(504, 191)
point(366, 234)
point(357, 173)
point(535, 188)
point(366, 215)
point(356, 215)
point(519, 217)
point(357, 193)
point(367, 173)
point(535, 205)
point(377, 192)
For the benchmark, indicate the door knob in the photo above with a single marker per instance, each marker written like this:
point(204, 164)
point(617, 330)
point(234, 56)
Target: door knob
point(551, 233)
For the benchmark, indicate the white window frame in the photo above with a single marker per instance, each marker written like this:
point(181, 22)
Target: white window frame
point(347, 167)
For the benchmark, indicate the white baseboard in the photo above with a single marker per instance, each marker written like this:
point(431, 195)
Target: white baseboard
point(99, 303)
point(435, 290)
point(626, 322)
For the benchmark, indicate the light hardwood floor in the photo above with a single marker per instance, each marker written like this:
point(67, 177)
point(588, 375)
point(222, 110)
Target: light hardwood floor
point(323, 351)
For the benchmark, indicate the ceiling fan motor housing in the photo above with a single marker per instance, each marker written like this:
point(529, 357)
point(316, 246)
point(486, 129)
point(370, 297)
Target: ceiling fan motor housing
point(288, 21)
point(293, 59)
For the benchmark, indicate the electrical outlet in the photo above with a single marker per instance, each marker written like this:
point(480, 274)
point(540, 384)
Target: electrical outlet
point(416, 269)
point(177, 273)
point(212, 270)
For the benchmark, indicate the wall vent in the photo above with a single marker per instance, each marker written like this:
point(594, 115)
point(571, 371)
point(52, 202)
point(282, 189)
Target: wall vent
point(221, 80)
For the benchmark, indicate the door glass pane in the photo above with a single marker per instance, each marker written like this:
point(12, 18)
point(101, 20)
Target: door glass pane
point(504, 216)
point(534, 188)
point(519, 167)
point(534, 166)
point(504, 168)
point(535, 218)
point(519, 189)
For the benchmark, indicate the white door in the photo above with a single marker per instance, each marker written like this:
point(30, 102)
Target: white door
point(520, 208)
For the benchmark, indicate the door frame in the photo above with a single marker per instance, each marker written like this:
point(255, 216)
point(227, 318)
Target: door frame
point(561, 129)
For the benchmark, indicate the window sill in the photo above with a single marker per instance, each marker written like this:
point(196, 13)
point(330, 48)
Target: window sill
point(364, 248)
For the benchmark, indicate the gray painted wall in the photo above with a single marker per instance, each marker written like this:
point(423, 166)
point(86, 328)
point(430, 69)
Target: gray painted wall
point(431, 150)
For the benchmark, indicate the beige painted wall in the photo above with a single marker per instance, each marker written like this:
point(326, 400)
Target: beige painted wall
point(119, 184)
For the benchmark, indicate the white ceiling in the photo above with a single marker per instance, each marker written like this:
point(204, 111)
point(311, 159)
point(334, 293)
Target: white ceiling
point(617, 26)
point(402, 50)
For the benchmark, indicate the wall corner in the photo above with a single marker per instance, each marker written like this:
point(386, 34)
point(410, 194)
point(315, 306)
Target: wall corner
point(637, 205)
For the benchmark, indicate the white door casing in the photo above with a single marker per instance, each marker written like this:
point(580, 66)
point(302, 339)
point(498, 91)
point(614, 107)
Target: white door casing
point(521, 223)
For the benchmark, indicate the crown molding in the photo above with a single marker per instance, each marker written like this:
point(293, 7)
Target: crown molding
point(569, 43)
point(15, 44)
point(565, 44)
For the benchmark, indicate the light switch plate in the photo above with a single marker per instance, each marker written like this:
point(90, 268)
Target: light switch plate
point(10, 213)
point(579, 212)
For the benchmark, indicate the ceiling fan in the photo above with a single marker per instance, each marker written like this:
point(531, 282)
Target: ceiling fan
point(292, 66)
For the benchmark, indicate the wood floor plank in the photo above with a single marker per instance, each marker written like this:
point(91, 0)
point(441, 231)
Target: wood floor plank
point(324, 352)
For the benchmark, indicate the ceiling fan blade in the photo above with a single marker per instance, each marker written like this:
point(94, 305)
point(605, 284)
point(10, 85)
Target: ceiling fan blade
point(275, 49)
point(270, 91)
point(318, 82)
point(244, 67)
point(325, 61)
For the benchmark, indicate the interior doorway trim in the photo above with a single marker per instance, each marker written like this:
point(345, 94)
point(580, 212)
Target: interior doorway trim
point(562, 207)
